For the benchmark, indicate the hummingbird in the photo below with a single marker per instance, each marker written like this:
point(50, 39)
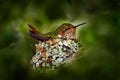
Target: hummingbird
point(64, 31)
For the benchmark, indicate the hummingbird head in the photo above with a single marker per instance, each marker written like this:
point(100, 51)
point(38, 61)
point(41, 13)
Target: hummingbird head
point(67, 31)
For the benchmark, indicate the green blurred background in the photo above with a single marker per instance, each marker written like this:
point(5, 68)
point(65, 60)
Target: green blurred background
point(100, 38)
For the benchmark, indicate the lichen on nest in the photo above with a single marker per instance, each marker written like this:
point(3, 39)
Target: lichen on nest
point(50, 56)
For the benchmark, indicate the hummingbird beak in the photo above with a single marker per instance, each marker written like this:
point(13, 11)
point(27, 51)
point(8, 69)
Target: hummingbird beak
point(80, 24)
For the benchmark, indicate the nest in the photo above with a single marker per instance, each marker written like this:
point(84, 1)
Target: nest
point(51, 55)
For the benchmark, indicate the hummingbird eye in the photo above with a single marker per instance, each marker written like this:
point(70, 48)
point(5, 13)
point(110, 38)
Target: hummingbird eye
point(66, 29)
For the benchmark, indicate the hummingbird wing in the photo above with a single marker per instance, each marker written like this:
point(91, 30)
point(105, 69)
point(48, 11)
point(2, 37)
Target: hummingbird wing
point(51, 35)
point(36, 34)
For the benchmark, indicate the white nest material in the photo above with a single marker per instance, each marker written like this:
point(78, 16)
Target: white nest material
point(51, 56)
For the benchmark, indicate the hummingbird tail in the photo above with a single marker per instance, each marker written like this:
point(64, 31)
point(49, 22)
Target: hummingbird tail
point(33, 29)
point(36, 34)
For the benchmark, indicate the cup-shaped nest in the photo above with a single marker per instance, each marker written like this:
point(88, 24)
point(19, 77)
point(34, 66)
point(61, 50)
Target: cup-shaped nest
point(50, 55)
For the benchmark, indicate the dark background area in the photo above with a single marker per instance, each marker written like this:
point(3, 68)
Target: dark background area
point(100, 38)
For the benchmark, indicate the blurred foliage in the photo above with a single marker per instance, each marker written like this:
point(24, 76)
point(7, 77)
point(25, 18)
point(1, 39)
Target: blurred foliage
point(100, 38)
